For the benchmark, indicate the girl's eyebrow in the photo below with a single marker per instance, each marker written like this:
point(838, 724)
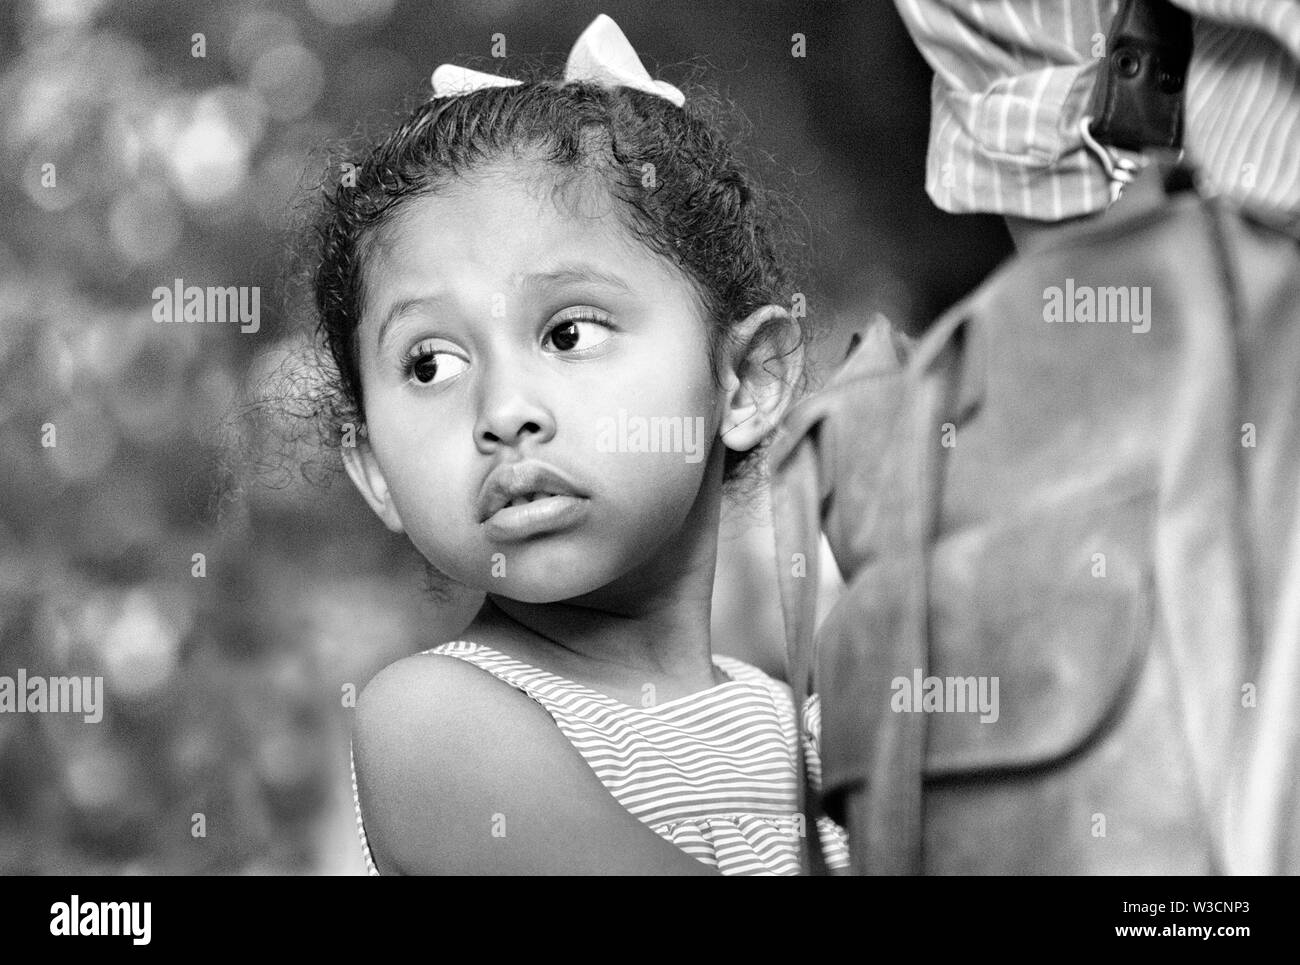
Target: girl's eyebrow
point(402, 307)
point(537, 279)
point(572, 273)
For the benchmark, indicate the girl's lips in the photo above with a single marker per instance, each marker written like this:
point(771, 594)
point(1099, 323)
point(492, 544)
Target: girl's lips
point(543, 515)
point(512, 481)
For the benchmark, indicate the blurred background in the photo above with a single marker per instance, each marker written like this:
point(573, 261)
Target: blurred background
point(231, 631)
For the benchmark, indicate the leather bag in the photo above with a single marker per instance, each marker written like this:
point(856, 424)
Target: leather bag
point(1081, 483)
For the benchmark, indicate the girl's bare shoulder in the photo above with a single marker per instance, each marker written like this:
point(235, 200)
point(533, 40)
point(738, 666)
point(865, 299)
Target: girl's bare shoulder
point(428, 687)
point(460, 773)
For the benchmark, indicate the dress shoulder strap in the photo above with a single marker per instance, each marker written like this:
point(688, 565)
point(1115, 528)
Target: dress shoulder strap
point(543, 686)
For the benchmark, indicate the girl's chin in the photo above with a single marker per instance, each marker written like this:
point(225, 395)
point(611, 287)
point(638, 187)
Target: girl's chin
point(522, 592)
point(531, 583)
point(556, 581)
point(558, 568)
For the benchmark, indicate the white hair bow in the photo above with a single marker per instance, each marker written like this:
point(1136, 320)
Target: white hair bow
point(601, 54)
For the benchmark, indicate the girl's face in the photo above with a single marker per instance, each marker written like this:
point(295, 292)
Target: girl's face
point(513, 345)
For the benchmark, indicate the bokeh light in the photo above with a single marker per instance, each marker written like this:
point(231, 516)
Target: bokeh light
point(209, 157)
point(290, 77)
point(140, 648)
point(145, 223)
point(345, 12)
point(85, 440)
point(99, 777)
point(68, 13)
point(258, 30)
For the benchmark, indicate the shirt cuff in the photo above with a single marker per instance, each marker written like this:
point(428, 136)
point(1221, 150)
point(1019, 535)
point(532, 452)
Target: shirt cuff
point(1015, 148)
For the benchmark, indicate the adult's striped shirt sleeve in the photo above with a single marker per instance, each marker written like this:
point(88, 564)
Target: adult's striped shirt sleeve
point(1013, 79)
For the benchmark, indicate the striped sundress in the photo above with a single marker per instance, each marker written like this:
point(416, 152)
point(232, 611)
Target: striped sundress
point(713, 772)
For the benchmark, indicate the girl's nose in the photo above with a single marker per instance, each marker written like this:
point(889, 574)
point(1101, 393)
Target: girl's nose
point(509, 413)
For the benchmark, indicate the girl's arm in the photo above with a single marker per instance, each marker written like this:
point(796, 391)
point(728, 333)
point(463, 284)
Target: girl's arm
point(459, 773)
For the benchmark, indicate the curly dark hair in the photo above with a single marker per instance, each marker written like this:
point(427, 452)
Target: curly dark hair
point(682, 192)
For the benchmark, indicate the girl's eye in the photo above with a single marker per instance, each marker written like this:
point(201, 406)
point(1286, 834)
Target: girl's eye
point(577, 334)
point(424, 366)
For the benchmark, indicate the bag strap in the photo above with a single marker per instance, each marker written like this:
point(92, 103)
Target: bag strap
point(796, 508)
point(799, 492)
point(938, 413)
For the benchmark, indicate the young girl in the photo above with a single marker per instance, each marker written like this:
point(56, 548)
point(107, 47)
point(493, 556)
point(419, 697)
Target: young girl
point(554, 308)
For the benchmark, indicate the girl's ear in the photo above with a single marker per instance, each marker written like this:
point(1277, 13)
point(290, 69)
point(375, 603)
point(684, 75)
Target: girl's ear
point(363, 468)
point(762, 367)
